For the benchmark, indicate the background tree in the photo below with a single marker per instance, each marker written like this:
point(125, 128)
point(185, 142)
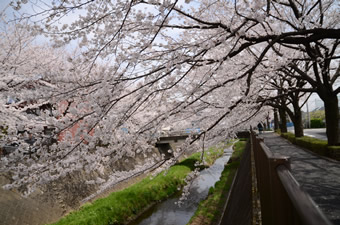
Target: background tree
point(322, 76)
point(296, 100)
point(137, 56)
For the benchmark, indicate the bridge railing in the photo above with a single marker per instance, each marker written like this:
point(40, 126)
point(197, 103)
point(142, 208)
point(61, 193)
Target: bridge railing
point(283, 202)
point(187, 132)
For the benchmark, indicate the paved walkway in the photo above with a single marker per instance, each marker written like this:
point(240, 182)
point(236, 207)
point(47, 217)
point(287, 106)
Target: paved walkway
point(319, 177)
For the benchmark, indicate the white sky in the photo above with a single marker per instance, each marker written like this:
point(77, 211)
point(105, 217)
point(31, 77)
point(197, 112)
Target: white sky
point(313, 102)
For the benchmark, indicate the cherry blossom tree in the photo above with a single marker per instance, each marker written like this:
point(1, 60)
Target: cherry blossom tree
point(144, 64)
point(323, 73)
point(290, 99)
point(24, 85)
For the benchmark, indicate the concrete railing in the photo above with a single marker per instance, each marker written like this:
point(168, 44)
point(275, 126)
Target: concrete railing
point(283, 202)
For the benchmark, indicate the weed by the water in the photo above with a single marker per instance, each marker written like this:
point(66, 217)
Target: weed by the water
point(208, 210)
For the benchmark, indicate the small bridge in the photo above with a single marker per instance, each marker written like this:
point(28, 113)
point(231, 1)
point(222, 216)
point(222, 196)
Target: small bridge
point(166, 143)
point(171, 140)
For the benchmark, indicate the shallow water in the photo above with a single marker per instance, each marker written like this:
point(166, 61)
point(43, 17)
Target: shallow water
point(168, 213)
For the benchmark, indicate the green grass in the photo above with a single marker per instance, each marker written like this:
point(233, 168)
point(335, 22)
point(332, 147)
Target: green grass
point(214, 153)
point(334, 152)
point(3, 131)
point(124, 205)
point(315, 145)
point(208, 210)
point(238, 149)
point(289, 136)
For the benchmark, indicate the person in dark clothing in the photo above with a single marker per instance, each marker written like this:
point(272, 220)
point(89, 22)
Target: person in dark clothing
point(260, 127)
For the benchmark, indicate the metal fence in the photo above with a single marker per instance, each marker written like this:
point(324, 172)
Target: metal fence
point(283, 202)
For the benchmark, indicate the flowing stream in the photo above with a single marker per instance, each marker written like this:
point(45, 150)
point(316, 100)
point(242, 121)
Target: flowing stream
point(168, 213)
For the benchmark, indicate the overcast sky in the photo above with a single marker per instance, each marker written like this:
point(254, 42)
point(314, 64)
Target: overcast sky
point(314, 100)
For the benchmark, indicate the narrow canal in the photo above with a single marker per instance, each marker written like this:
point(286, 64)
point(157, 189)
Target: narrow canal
point(168, 213)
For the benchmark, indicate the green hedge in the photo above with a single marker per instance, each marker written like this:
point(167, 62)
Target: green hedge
point(315, 145)
point(334, 152)
point(289, 136)
point(317, 123)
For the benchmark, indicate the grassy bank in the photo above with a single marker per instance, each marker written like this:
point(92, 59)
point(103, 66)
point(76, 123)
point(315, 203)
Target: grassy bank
point(315, 145)
point(213, 153)
point(122, 206)
point(209, 210)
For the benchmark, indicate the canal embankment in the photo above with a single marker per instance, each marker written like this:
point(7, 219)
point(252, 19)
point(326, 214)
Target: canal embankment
point(178, 209)
point(125, 205)
point(209, 210)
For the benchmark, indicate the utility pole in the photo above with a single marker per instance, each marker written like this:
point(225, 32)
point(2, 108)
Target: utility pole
point(276, 120)
point(308, 116)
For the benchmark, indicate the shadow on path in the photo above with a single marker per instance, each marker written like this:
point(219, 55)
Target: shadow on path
point(319, 177)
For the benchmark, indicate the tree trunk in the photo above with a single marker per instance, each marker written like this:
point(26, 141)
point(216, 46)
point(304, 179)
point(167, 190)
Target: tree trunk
point(297, 118)
point(298, 125)
point(276, 120)
point(268, 123)
point(332, 119)
point(283, 120)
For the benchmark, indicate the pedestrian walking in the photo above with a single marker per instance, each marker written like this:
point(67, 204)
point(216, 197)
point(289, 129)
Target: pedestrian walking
point(260, 127)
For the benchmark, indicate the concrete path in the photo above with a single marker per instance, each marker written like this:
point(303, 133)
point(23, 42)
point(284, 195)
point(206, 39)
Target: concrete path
point(318, 176)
